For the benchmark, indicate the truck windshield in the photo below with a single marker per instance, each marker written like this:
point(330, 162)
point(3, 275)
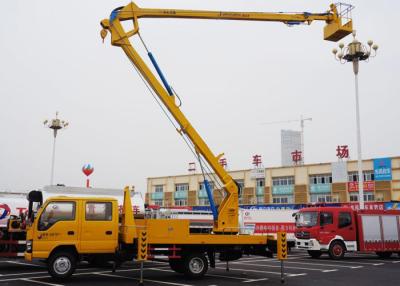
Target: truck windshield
point(306, 219)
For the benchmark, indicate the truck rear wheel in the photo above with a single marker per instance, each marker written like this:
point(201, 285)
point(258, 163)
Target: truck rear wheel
point(61, 264)
point(176, 265)
point(314, 253)
point(195, 265)
point(337, 250)
point(383, 254)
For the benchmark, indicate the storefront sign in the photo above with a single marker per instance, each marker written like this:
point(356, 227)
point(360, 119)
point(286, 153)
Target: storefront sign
point(383, 169)
point(368, 186)
point(257, 173)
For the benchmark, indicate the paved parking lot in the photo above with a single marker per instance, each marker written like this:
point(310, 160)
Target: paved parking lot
point(355, 269)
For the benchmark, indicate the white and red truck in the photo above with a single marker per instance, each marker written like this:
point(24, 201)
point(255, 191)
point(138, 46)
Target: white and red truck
point(14, 208)
point(269, 222)
point(337, 230)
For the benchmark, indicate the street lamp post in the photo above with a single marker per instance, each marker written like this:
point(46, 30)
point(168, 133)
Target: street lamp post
point(54, 124)
point(356, 52)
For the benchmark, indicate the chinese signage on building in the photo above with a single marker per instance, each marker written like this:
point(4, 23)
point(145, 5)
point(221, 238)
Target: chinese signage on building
point(368, 186)
point(296, 157)
point(383, 169)
point(342, 151)
point(223, 163)
point(257, 160)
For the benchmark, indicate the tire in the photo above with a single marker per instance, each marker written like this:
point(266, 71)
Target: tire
point(176, 265)
point(195, 265)
point(384, 255)
point(314, 253)
point(337, 250)
point(61, 265)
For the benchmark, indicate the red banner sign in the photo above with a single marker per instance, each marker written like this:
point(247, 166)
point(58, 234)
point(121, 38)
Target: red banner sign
point(367, 205)
point(274, 227)
point(369, 186)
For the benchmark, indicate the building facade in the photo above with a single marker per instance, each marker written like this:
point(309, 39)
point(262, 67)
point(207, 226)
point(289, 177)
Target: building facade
point(324, 182)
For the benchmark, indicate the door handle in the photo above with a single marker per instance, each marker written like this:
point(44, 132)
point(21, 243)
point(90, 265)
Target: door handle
point(108, 232)
point(70, 232)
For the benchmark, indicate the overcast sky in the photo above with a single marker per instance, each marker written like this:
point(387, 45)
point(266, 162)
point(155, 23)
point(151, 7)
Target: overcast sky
point(231, 76)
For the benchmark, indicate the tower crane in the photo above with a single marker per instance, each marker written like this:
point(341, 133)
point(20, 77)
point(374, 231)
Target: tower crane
point(301, 120)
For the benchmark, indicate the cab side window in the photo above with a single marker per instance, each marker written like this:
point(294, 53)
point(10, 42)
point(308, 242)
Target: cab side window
point(55, 212)
point(98, 211)
point(344, 219)
point(325, 218)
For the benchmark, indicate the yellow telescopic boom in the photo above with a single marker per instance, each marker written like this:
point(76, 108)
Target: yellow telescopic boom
point(227, 219)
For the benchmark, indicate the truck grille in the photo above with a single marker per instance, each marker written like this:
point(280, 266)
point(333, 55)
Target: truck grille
point(302, 234)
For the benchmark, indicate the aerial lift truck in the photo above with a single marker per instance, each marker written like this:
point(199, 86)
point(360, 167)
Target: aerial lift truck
point(67, 230)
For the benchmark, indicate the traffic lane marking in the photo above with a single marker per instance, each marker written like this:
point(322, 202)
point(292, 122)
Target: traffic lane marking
point(375, 262)
point(5, 279)
point(24, 263)
point(138, 279)
point(246, 280)
point(40, 282)
point(341, 261)
point(307, 263)
point(44, 272)
point(262, 271)
point(255, 280)
point(289, 267)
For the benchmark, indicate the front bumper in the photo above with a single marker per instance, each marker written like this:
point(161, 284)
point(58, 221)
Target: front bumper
point(308, 244)
point(28, 256)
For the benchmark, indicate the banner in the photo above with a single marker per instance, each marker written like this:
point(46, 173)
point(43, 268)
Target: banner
point(392, 206)
point(383, 169)
point(367, 205)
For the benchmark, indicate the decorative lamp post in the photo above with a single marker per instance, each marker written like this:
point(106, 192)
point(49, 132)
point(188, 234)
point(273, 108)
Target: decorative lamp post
point(54, 124)
point(356, 52)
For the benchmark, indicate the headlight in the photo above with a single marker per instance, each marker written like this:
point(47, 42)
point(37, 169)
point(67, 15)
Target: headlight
point(29, 246)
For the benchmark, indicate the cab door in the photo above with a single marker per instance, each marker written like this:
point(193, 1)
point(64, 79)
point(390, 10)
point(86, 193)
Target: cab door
point(58, 224)
point(346, 227)
point(99, 228)
point(327, 227)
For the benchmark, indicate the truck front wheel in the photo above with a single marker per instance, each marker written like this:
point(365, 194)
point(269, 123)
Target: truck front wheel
point(195, 265)
point(337, 250)
point(61, 265)
point(315, 253)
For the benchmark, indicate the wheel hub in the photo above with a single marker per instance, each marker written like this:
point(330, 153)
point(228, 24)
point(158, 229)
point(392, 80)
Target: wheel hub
point(62, 265)
point(196, 265)
point(337, 250)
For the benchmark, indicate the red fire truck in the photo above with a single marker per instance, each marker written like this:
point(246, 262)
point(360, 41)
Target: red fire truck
point(337, 230)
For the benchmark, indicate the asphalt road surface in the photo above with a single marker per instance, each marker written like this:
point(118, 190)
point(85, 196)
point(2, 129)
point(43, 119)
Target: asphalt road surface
point(355, 269)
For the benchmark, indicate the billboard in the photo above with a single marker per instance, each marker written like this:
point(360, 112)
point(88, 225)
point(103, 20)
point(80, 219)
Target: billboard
point(290, 141)
point(339, 172)
point(383, 169)
point(368, 186)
